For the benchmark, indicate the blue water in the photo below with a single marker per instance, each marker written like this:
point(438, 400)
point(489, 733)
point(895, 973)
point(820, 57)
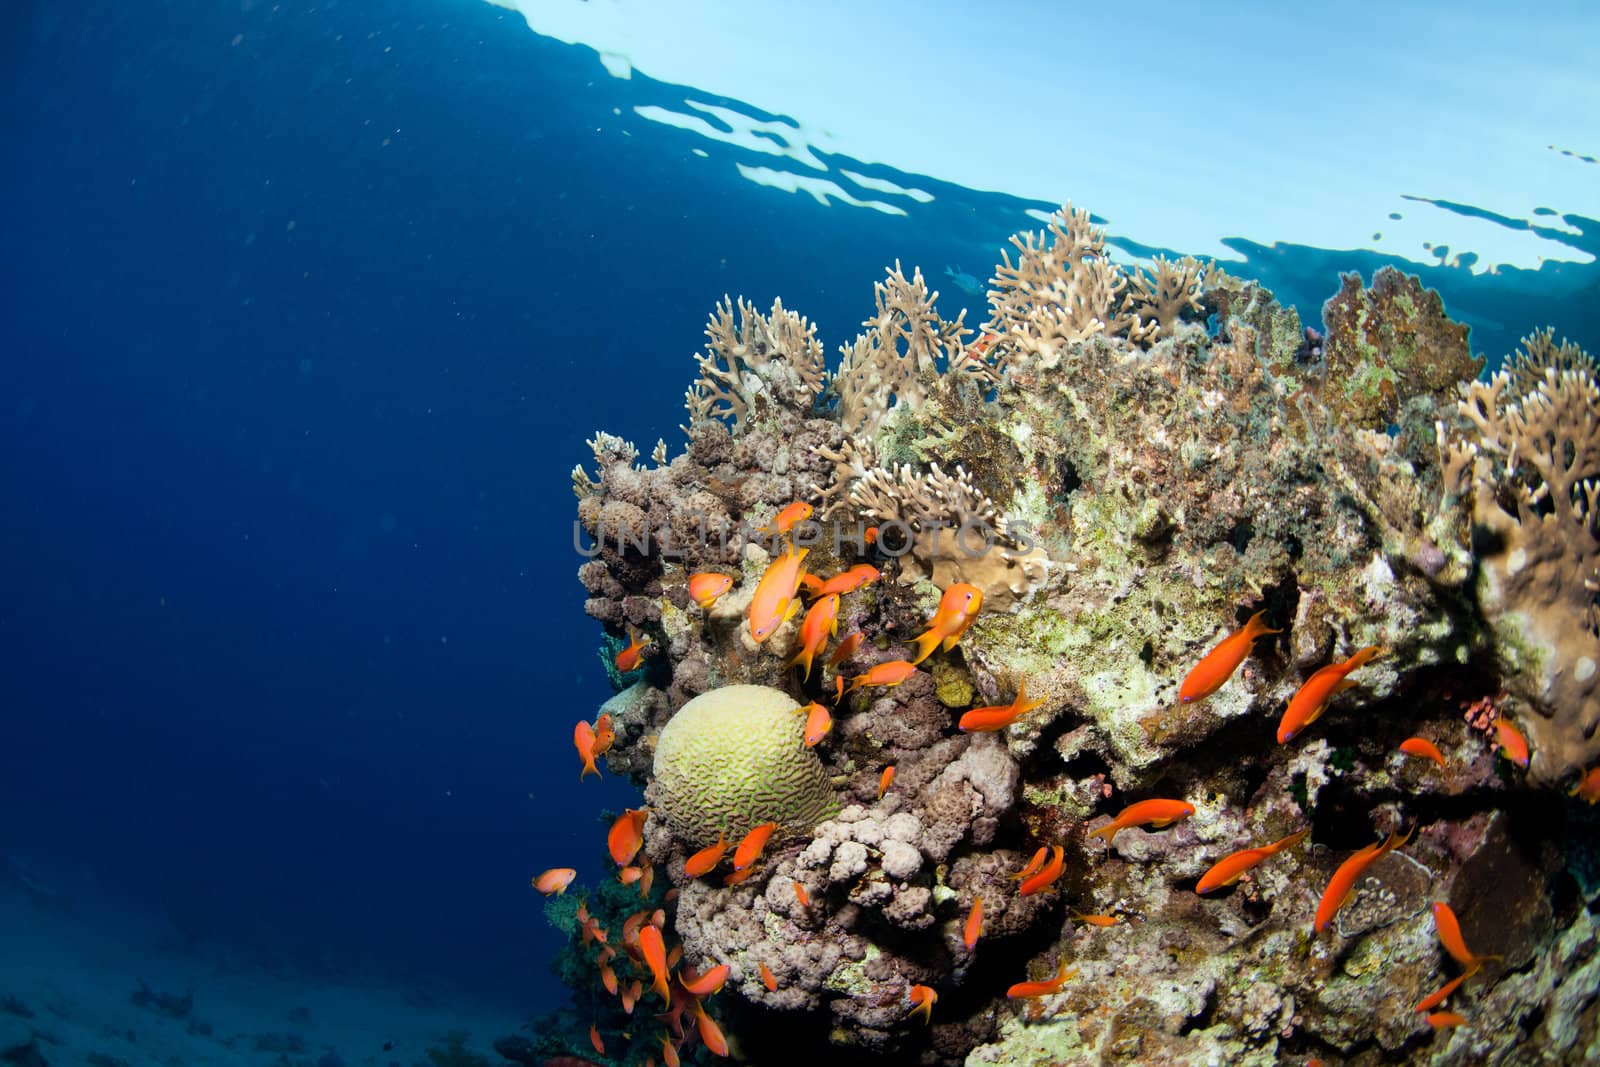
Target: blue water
point(306, 314)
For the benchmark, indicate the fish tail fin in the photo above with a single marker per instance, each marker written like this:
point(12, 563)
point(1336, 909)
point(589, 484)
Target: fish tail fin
point(1363, 655)
point(1255, 627)
point(803, 659)
point(1108, 831)
point(926, 643)
point(588, 769)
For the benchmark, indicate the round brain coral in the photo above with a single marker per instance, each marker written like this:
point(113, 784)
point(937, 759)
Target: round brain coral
point(734, 758)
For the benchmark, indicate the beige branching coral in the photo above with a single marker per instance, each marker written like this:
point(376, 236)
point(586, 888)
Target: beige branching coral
point(776, 355)
point(1064, 289)
point(1531, 469)
point(924, 501)
point(905, 344)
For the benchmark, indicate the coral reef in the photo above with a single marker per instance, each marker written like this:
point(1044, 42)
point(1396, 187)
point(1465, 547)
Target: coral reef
point(1126, 464)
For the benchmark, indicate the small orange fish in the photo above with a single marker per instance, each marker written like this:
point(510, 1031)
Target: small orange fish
point(707, 586)
point(1098, 920)
point(1218, 665)
point(1033, 865)
point(821, 622)
point(999, 716)
point(555, 880)
point(704, 985)
point(674, 956)
point(800, 894)
point(604, 734)
point(751, 846)
point(735, 877)
point(1046, 877)
point(706, 860)
point(608, 978)
point(1342, 886)
point(849, 581)
point(1440, 995)
point(1422, 748)
point(654, 951)
point(646, 880)
point(629, 658)
point(630, 995)
point(977, 348)
point(974, 924)
point(786, 519)
point(1513, 746)
point(1156, 813)
point(627, 835)
point(1444, 1020)
point(846, 649)
point(768, 979)
point(594, 1039)
point(710, 1033)
point(669, 1053)
point(870, 535)
point(774, 600)
point(1312, 698)
point(957, 608)
point(885, 780)
point(818, 723)
point(885, 675)
point(1449, 927)
point(1230, 869)
point(630, 875)
point(1588, 787)
point(1044, 988)
point(922, 999)
point(583, 737)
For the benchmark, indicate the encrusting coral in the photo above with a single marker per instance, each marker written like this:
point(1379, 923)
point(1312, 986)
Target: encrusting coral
point(1116, 473)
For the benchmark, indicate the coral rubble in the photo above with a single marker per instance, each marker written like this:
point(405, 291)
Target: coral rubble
point(1125, 465)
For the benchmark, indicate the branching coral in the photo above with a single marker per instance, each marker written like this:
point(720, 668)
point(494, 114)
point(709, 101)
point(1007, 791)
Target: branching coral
point(776, 355)
point(1531, 467)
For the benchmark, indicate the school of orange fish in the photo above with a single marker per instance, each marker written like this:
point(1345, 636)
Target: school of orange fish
point(777, 599)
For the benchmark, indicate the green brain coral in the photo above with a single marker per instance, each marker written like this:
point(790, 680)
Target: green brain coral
point(733, 758)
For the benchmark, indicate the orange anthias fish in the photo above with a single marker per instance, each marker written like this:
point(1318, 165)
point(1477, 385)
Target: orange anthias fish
point(629, 658)
point(1588, 787)
point(1307, 704)
point(768, 979)
point(818, 723)
point(604, 734)
point(555, 880)
point(710, 1032)
point(1444, 1020)
point(608, 978)
point(1032, 865)
point(627, 835)
point(669, 1053)
point(821, 623)
point(884, 675)
point(774, 600)
point(1342, 886)
point(1440, 995)
point(800, 893)
point(786, 519)
point(707, 586)
point(583, 737)
point(1218, 665)
point(1045, 988)
point(703, 985)
point(1513, 746)
point(706, 860)
point(849, 581)
point(846, 649)
point(594, 1039)
point(1444, 920)
point(922, 999)
point(999, 716)
point(1046, 877)
point(885, 780)
point(1157, 813)
point(1230, 869)
point(751, 846)
point(1102, 921)
point(957, 608)
point(974, 924)
point(654, 951)
point(1422, 748)
point(630, 995)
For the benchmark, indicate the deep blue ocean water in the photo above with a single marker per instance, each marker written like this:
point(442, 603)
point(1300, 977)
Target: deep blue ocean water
point(307, 312)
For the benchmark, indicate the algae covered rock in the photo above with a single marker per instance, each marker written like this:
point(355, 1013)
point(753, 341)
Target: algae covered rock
point(734, 758)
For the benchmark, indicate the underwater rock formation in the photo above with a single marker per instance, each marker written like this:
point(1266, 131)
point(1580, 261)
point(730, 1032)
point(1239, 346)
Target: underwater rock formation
point(1124, 466)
